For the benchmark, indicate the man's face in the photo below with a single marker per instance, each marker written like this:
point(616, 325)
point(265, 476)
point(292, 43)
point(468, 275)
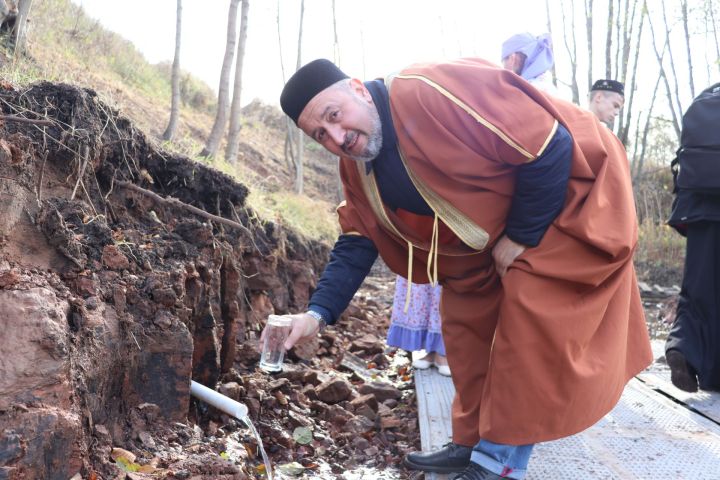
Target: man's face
point(606, 105)
point(343, 119)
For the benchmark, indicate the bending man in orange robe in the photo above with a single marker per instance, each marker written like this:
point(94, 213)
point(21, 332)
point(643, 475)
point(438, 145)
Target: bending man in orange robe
point(452, 172)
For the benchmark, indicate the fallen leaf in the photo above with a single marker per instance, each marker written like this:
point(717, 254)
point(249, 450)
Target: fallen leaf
point(250, 450)
point(147, 469)
point(117, 453)
point(302, 435)
point(127, 466)
point(293, 468)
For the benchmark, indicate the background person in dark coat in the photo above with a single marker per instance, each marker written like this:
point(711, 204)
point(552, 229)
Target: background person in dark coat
point(693, 345)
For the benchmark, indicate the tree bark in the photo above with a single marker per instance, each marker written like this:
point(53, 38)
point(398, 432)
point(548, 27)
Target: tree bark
point(660, 59)
point(673, 70)
point(20, 29)
point(623, 133)
point(336, 53)
point(628, 25)
point(618, 23)
point(223, 106)
point(233, 145)
point(336, 44)
point(711, 12)
point(608, 41)
point(684, 9)
point(175, 102)
point(641, 160)
point(589, 32)
point(549, 29)
point(299, 174)
point(571, 48)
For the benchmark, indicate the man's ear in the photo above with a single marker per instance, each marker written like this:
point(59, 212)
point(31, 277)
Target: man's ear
point(359, 88)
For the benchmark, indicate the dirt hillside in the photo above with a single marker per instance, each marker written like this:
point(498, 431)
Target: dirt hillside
point(126, 271)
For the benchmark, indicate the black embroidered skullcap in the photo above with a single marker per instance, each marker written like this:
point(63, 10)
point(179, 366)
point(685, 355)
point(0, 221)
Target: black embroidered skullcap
point(307, 82)
point(609, 86)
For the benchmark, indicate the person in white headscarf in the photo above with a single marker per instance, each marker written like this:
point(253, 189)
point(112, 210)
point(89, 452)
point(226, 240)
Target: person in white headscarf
point(531, 57)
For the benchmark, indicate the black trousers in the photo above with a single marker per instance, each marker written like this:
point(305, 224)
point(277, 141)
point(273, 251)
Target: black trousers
point(696, 331)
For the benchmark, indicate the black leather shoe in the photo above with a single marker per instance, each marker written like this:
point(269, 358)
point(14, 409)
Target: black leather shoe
point(450, 458)
point(475, 472)
point(681, 374)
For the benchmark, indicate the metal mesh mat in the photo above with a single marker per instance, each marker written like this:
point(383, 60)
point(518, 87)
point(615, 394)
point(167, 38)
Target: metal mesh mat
point(645, 437)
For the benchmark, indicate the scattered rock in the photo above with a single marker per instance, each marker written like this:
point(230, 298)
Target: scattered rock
point(333, 391)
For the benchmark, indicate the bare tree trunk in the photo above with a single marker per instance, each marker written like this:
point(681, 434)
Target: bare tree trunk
point(641, 160)
point(282, 65)
point(711, 6)
point(336, 44)
point(336, 52)
point(673, 70)
point(628, 24)
point(608, 41)
point(660, 59)
point(549, 29)
point(233, 145)
point(636, 145)
point(572, 50)
point(589, 31)
point(624, 131)
point(684, 9)
point(175, 102)
point(289, 152)
point(223, 106)
point(20, 29)
point(300, 137)
point(618, 22)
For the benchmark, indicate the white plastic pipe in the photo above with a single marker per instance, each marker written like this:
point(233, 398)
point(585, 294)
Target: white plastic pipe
point(218, 400)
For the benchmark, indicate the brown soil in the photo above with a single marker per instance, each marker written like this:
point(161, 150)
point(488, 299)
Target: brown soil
point(112, 299)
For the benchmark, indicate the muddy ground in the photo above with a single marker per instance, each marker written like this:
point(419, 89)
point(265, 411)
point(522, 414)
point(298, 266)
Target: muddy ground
point(126, 271)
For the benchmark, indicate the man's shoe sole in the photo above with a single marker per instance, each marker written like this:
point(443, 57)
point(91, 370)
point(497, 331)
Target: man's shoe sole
point(434, 469)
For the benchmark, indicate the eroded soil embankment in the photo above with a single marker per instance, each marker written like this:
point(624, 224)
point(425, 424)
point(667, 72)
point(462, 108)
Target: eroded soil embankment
point(110, 299)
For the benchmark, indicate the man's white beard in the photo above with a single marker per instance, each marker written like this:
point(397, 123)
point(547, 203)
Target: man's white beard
point(374, 142)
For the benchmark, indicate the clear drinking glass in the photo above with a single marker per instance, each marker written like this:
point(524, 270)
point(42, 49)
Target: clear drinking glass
point(277, 330)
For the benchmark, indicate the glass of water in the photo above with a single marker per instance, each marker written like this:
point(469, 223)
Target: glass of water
point(277, 330)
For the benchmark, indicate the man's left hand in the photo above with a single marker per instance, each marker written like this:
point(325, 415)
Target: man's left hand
point(505, 252)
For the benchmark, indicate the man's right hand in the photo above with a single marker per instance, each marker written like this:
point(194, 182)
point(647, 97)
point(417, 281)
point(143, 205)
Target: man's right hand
point(303, 328)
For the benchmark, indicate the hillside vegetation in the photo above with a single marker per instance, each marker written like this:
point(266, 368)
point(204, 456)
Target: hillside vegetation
point(67, 46)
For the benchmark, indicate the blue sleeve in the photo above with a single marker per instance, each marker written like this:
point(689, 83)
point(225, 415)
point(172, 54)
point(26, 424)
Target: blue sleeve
point(540, 191)
point(351, 259)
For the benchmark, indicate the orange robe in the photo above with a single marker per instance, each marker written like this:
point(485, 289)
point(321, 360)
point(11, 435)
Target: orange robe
point(545, 351)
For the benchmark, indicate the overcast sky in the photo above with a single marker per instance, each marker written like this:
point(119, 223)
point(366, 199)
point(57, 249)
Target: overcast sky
point(375, 36)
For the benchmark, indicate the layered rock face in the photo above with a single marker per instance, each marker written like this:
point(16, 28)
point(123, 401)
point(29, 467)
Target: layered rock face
point(115, 289)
